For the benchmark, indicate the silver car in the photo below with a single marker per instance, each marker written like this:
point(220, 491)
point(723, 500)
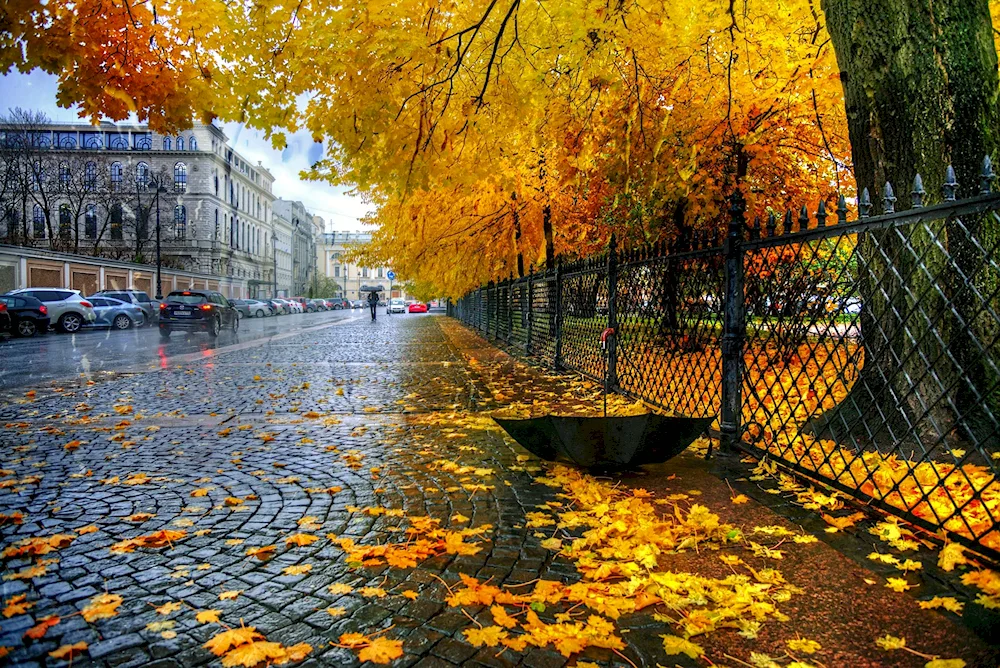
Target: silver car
point(116, 314)
point(150, 307)
point(68, 310)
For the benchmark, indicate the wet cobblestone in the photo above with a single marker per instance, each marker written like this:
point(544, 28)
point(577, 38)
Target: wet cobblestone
point(364, 408)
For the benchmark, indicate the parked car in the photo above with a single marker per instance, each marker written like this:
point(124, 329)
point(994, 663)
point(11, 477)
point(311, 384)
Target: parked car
point(294, 306)
point(4, 319)
point(197, 310)
point(417, 307)
point(277, 306)
point(28, 316)
point(242, 307)
point(116, 313)
point(150, 307)
point(258, 309)
point(66, 308)
point(312, 306)
point(357, 303)
point(396, 306)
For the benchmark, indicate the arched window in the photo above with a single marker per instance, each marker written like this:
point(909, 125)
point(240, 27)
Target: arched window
point(216, 225)
point(90, 222)
point(37, 176)
point(116, 222)
point(90, 175)
point(180, 143)
point(142, 176)
point(180, 221)
point(180, 177)
point(65, 222)
point(215, 178)
point(119, 142)
point(166, 143)
point(116, 176)
point(193, 143)
point(65, 175)
point(38, 222)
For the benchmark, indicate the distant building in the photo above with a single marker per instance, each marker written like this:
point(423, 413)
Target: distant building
point(96, 190)
point(303, 247)
point(282, 241)
point(332, 250)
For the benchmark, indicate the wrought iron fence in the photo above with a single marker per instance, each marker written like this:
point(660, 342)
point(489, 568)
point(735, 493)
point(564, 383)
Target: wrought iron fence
point(864, 354)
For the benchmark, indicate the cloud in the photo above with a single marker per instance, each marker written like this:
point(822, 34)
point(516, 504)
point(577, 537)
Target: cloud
point(340, 210)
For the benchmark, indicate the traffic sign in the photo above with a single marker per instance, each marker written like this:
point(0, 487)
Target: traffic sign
point(391, 275)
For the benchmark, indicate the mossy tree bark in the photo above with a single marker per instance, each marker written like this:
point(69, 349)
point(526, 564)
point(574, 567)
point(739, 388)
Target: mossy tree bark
point(921, 92)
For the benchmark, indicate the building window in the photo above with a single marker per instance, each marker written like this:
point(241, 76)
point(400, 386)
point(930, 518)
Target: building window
point(215, 178)
point(180, 143)
point(118, 142)
point(180, 177)
point(64, 175)
point(93, 140)
point(193, 144)
point(180, 221)
point(336, 271)
point(38, 222)
point(116, 222)
point(65, 226)
point(116, 176)
point(216, 225)
point(66, 139)
point(90, 222)
point(142, 142)
point(166, 143)
point(142, 176)
point(364, 272)
point(380, 270)
point(90, 175)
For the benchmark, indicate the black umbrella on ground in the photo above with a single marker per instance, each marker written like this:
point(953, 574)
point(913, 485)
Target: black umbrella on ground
point(606, 442)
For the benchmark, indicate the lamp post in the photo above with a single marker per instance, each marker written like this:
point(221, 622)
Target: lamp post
point(159, 286)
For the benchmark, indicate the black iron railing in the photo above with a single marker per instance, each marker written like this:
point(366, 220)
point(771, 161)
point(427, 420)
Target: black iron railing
point(864, 354)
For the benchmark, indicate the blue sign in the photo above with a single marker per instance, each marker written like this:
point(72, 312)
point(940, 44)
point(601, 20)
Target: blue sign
point(391, 275)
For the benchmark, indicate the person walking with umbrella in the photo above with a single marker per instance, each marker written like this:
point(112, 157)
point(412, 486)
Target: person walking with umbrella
point(373, 302)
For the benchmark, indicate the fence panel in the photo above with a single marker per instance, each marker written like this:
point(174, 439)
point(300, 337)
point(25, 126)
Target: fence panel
point(869, 351)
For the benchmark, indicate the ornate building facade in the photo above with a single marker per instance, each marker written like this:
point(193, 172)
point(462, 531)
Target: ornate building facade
point(100, 190)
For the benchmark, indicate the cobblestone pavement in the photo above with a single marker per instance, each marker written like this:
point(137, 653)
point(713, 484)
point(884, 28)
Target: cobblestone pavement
point(247, 448)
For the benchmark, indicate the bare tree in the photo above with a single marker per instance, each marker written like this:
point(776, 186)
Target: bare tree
point(29, 164)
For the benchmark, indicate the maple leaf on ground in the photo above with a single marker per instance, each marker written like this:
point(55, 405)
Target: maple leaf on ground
point(252, 653)
point(336, 612)
point(68, 652)
point(208, 616)
point(488, 635)
point(158, 539)
point(295, 653)
point(353, 639)
point(888, 642)
point(382, 650)
point(222, 642)
point(301, 539)
point(898, 584)
point(102, 606)
point(230, 595)
point(167, 608)
point(340, 588)
point(945, 663)
point(37, 631)
point(36, 571)
point(803, 645)
point(263, 553)
point(298, 569)
point(678, 645)
point(16, 605)
point(372, 592)
point(950, 556)
point(949, 603)
point(87, 529)
point(501, 617)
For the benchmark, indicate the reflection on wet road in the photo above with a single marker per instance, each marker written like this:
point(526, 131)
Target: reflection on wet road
point(92, 353)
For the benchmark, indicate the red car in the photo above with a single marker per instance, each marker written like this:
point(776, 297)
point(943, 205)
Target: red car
point(417, 307)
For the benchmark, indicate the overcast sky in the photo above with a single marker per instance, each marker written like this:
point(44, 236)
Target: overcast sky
point(340, 210)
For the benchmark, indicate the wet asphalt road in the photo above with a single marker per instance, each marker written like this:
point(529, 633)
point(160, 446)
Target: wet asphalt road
point(96, 352)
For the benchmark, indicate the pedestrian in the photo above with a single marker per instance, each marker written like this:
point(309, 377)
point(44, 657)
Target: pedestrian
point(373, 302)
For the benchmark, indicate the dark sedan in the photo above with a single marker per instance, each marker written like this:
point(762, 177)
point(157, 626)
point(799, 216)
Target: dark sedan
point(197, 310)
point(28, 316)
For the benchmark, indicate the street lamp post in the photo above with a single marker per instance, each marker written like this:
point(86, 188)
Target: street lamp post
point(159, 286)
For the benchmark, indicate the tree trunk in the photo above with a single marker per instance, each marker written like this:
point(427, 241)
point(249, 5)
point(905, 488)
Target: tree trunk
point(921, 92)
point(550, 253)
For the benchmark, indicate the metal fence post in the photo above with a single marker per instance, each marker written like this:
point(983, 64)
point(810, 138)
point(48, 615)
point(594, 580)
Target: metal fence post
point(529, 312)
point(734, 326)
point(611, 372)
point(557, 314)
point(510, 309)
